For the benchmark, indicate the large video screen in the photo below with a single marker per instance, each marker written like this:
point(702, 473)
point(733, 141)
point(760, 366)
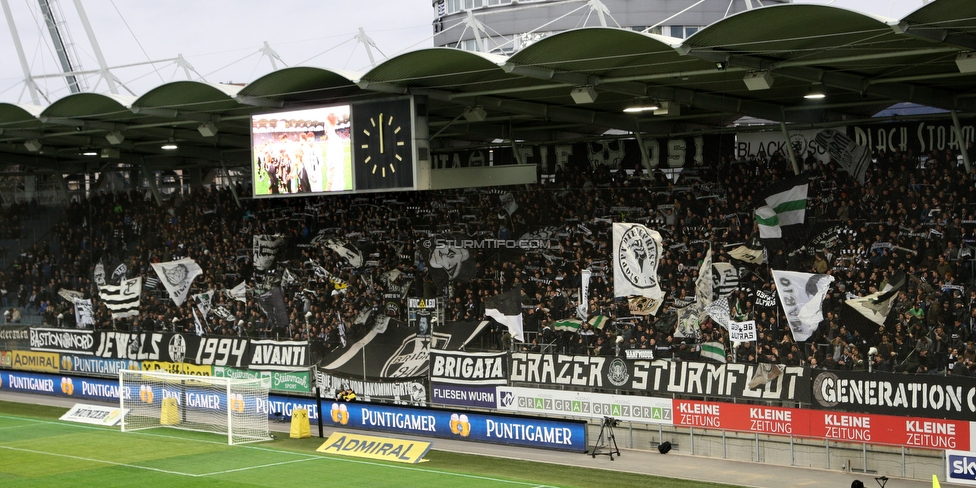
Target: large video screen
point(302, 152)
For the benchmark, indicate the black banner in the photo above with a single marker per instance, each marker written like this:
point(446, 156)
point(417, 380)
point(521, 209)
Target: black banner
point(176, 348)
point(409, 392)
point(469, 368)
point(922, 136)
point(70, 341)
point(282, 355)
point(395, 351)
point(662, 153)
point(14, 337)
point(937, 397)
point(664, 378)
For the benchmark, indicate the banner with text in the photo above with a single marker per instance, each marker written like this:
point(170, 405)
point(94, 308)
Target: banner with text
point(406, 392)
point(949, 397)
point(71, 363)
point(663, 378)
point(14, 337)
point(69, 341)
point(172, 347)
point(837, 426)
point(463, 395)
point(464, 425)
point(289, 381)
point(469, 368)
point(48, 362)
point(282, 355)
point(580, 404)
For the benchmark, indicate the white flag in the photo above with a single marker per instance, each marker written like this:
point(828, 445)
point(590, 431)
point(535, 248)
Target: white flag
point(84, 315)
point(266, 250)
point(719, 312)
point(176, 277)
point(703, 285)
point(122, 300)
point(742, 331)
point(342, 330)
point(583, 309)
point(196, 323)
point(802, 295)
point(636, 253)
point(238, 293)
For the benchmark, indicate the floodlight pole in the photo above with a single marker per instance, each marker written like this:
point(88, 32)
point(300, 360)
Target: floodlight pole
point(28, 79)
point(102, 66)
point(789, 148)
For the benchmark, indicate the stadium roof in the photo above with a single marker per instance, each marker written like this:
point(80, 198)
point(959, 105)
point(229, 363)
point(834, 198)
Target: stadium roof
point(863, 63)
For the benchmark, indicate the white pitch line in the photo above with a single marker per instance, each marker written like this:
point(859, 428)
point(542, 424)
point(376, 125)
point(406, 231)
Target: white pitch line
point(113, 463)
point(235, 470)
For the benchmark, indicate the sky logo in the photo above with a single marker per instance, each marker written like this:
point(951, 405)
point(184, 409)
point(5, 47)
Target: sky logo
point(962, 467)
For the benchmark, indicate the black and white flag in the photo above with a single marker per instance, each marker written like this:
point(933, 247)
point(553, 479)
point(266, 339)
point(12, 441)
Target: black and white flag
point(583, 309)
point(802, 296)
point(84, 313)
point(725, 278)
point(176, 277)
point(266, 250)
point(347, 251)
point(203, 301)
point(636, 254)
point(122, 300)
point(506, 309)
point(848, 154)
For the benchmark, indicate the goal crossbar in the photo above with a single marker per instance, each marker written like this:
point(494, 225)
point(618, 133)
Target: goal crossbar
point(235, 407)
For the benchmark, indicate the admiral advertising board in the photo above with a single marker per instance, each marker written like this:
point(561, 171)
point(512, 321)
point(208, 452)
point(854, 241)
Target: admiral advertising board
point(628, 408)
point(561, 435)
point(663, 378)
point(895, 394)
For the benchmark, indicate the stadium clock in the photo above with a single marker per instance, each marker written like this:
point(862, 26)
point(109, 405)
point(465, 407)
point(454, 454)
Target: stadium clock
point(383, 145)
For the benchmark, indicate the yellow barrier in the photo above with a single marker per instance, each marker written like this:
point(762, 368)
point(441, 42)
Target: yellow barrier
point(299, 424)
point(170, 414)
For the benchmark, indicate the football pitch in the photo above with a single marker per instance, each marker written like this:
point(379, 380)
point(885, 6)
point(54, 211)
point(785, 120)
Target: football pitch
point(37, 449)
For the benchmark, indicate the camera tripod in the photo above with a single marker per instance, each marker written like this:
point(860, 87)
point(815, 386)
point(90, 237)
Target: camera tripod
point(605, 442)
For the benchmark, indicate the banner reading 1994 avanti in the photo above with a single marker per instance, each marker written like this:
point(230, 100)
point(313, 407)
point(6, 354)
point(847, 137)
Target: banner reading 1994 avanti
point(664, 378)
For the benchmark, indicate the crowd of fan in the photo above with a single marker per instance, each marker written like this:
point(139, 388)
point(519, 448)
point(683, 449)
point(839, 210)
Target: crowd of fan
point(911, 214)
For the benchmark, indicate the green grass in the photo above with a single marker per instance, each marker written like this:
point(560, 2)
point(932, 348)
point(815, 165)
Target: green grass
point(36, 449)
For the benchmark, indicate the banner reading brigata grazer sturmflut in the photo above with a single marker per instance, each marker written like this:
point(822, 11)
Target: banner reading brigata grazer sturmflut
point(895, 394)
point(664, 378)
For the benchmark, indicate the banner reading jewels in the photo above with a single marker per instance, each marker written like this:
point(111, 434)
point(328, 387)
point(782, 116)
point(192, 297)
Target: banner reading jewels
point(406, 392)
point(665, 378)
point(171, 347)
point(895, 394)
point(629, 408)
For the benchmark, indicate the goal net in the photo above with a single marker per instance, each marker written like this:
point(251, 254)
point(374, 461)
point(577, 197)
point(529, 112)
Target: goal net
point(229, 406)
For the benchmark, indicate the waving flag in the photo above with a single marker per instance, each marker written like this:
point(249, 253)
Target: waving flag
point(176, 277)
point(802, 295)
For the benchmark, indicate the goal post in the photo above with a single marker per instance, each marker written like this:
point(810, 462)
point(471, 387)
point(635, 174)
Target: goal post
point(235, 407)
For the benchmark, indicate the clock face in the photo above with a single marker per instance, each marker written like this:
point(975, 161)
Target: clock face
point(382, 141)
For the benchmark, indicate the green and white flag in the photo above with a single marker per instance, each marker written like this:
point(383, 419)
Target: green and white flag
point(714, 351)
point(768, 222)
point(599, 321)
point(568, 325)
point(788, 198)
